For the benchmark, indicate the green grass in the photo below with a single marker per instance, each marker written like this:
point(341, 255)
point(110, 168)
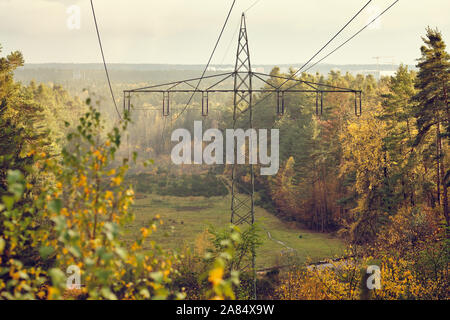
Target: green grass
point(186, 218)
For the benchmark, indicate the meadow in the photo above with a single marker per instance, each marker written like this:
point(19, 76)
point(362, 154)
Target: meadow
point(185, 220)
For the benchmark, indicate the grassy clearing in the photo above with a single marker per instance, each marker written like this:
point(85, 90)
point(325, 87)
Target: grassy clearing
point(185, 219)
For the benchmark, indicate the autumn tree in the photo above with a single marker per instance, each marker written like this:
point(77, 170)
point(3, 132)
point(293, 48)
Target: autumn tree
point(431, 110)
point(20, 121)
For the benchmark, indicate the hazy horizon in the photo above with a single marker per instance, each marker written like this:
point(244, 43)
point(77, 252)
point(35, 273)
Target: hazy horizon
point(285, 32)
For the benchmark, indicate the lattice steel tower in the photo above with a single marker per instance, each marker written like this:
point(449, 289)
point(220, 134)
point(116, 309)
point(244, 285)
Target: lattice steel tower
point(242, 202)
point(242, 197)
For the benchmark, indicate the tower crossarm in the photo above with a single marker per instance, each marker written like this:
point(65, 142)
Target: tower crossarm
point(242, 76)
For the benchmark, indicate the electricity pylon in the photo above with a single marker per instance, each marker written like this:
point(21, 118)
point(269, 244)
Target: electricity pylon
point(242, 194)
point(242, 207)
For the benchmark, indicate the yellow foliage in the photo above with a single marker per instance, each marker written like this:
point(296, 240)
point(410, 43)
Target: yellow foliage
point(344, 281)
point(215, 276)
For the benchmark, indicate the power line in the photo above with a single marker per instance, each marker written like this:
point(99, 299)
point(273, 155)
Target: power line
point(352, 37)
point(340, 46)
point(321, 49)
point(237, 29)
point(331, 40)
point(344, 43)
point(231, 42)
point(209, 61)
point(254, 4)
point(349, 39)
point(291, 77)
point(317, 53)
point(104, 61)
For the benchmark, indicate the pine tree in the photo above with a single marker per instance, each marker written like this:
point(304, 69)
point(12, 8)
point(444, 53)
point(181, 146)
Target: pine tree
point(432, 111)
point(398, 115)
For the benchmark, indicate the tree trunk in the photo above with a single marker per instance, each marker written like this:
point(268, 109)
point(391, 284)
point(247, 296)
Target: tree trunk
point(314, 219)
point(325, 205)
point(430, 194)
point(446, 102)
point(438, 167)
point(442, 172)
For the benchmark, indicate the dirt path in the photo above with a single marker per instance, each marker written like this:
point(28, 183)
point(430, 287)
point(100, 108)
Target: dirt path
point(289, 249)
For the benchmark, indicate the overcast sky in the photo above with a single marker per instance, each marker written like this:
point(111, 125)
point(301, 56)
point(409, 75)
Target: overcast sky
point(184, 31)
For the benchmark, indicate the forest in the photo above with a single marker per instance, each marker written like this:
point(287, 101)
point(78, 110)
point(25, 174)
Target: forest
point(85, 193)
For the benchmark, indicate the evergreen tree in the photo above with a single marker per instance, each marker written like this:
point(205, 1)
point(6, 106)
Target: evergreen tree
point(400, 130)
point(432, 111)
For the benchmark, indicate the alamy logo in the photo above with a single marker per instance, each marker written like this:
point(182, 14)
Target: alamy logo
point(236, 139)
point(74, 19)
point(74, 278)
point(374, 280)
